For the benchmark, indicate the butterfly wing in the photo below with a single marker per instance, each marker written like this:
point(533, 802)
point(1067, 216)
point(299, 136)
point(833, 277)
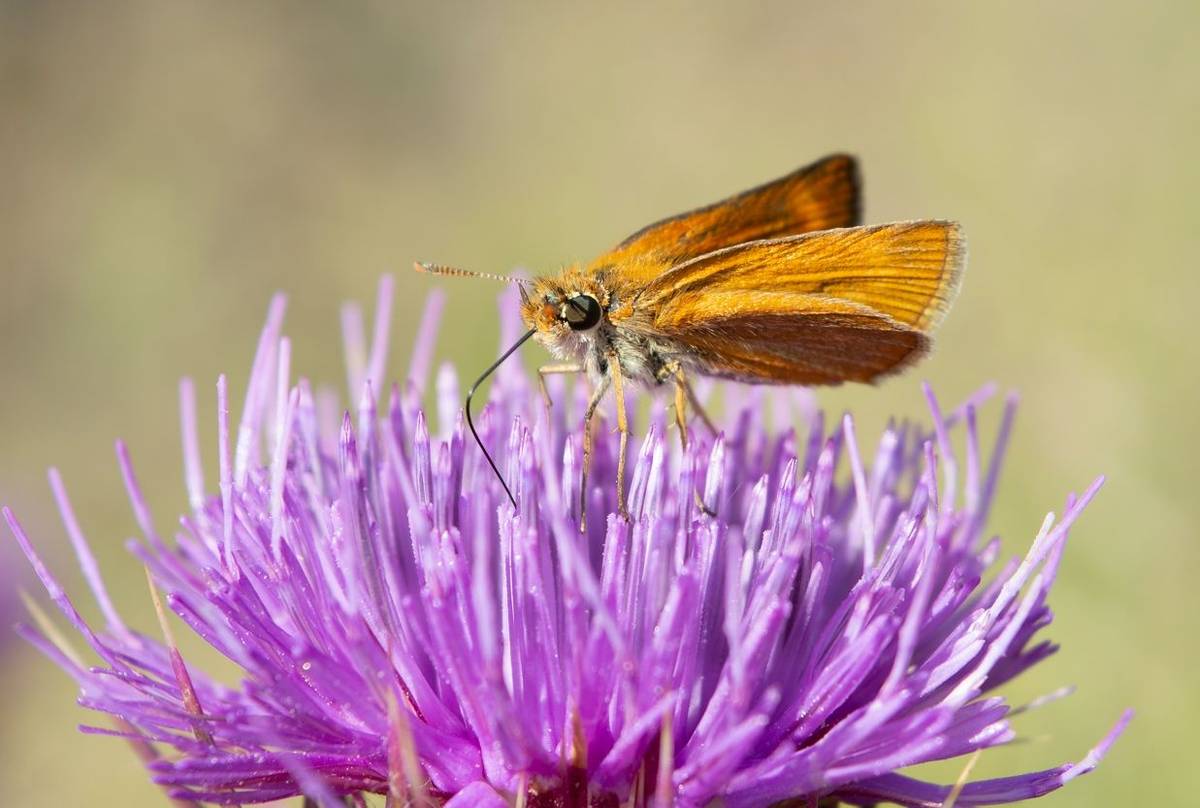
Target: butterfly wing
point(842, 305)
point(819, 196)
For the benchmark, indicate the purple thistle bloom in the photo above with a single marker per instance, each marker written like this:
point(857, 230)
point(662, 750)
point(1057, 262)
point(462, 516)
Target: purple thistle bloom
point(403, 630)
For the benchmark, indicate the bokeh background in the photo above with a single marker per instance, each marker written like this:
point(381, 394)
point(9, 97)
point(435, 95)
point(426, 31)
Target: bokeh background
point(166, 166)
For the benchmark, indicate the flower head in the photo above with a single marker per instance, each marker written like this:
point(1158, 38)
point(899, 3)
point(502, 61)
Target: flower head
point(779, 620)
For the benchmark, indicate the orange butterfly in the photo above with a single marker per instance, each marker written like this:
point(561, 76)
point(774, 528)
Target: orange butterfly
point(777, 285)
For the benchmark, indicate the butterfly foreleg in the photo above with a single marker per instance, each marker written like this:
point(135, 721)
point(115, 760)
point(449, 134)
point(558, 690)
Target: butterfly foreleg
point(623, 427)
point(593, 404)
point(553, 369)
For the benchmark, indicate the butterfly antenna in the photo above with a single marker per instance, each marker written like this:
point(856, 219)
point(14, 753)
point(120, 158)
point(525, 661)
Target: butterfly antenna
point(455, 272)
point(471, 423)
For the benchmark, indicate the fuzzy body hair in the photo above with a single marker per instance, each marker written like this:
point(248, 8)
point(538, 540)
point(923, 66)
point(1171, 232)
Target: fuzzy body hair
point(623, 332)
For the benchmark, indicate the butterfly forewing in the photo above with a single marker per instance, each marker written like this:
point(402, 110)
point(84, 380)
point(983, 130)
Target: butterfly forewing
point(840, 305)
point(906, 270)
point(819, 196)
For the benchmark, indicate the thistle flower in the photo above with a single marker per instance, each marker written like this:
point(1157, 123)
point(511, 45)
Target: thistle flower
point(807, 628)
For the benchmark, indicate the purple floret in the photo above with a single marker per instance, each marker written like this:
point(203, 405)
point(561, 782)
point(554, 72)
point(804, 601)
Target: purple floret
point(803, 629)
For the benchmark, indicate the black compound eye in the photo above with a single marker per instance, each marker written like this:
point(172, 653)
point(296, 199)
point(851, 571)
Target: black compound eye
point(582, 312)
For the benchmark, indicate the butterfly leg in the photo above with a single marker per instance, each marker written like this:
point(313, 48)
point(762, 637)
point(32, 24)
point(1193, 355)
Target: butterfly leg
point(680, 409)
point(550, 370)
point(593, 403)
point(684, 394)
point(623, 427)
point(681, 380)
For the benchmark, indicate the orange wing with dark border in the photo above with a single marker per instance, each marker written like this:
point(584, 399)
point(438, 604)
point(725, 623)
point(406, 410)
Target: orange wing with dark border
point(820, 196)
point(840, 305)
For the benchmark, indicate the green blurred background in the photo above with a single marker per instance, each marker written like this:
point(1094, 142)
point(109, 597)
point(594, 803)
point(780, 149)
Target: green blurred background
point(167, 166)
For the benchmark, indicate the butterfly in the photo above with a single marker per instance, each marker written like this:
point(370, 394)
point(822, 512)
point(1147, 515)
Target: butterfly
point(780, 284)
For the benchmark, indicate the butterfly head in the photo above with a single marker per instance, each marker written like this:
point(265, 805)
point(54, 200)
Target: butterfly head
point(566, 311)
